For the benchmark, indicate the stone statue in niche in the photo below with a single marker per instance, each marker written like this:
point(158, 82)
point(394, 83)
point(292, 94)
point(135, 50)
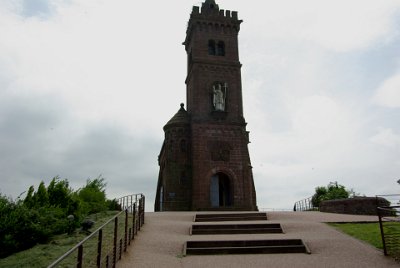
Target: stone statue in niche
point(219, 96)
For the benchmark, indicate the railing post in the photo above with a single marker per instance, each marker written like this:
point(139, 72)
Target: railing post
point(144, 204)
point(131, 197)
point(140, 213)
point(99, 245)
point(134, 220)
point(130, 236)
point(120, 249)
point(115, 242)
point(126, 230)
point(80, 256)
point(382, 232)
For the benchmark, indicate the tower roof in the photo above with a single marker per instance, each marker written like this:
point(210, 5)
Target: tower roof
point(209, 6)
point(180, 118)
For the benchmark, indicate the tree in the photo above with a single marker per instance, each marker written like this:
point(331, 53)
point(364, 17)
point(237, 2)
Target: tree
point(331, 192)
point(59, 193)
point(29, 201)
point(41, 197)
point(93, 196)
point(62, 196)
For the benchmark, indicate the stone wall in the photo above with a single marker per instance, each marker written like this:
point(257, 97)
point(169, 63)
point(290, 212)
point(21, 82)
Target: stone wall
point(356, 205)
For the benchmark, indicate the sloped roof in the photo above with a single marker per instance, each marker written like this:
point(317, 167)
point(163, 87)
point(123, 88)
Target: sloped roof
point(179, 119)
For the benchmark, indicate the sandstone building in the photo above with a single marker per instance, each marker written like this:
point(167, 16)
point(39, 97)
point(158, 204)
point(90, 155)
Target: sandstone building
point(204, 160)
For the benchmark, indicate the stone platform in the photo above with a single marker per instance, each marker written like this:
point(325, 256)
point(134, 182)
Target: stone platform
point(160, 243)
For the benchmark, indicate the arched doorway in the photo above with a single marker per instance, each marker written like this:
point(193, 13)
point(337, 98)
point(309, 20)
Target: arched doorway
point(220, 191)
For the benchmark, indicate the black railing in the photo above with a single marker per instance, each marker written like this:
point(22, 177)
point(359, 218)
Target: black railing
point(389, 223)
point(304, 205)
point(129, 201)
point(113, 237)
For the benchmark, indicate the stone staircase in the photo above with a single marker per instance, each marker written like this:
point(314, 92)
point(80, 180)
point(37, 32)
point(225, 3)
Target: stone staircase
point(250, 216)
point(256, 228)
point(246, 247)
point(210, 226)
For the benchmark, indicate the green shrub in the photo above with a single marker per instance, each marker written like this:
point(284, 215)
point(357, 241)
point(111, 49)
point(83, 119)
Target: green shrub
point(331, 192)
point(49, 211)
point(21, 227)
point(113, 205)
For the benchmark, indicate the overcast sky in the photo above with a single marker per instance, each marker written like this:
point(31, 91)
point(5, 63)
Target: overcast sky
point(87, 85)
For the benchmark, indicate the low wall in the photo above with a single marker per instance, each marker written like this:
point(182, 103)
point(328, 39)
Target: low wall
point(355, 206)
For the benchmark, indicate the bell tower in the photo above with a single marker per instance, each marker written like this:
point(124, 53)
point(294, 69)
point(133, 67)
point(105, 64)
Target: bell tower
point(213, 72)
point(220, 168)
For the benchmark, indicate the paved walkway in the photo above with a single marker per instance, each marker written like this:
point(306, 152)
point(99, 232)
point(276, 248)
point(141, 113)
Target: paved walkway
point(160, 244)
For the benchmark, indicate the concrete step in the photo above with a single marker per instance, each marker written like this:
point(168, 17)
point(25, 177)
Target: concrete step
point(256, 228)
point(212, 217)
point(245, 247)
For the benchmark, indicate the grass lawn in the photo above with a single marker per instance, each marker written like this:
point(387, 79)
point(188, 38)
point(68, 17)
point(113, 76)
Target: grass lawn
point(368, 232)
point(43, 255)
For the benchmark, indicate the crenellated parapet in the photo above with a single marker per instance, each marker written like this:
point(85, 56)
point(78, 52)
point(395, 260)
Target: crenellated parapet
point(210, 8)
point(210, 18)
point(214, 12)
point(218, 15)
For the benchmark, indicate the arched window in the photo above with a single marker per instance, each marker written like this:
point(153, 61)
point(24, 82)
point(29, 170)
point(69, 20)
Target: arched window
point(211, 47)
point(221, 48)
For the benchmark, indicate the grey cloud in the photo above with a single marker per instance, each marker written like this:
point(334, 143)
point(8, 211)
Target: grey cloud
point(39, 142)
point(25, 148)
point(110, 150)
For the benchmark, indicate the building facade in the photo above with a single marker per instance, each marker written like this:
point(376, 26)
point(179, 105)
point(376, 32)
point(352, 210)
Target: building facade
point(204, 161)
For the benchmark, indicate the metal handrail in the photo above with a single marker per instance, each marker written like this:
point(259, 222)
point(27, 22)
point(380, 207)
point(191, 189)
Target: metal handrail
point(69, 252)
point(304, 205)
point(133, 208)
point(390, 210)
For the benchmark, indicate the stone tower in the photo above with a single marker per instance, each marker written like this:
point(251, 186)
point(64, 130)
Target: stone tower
point(204, 161)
